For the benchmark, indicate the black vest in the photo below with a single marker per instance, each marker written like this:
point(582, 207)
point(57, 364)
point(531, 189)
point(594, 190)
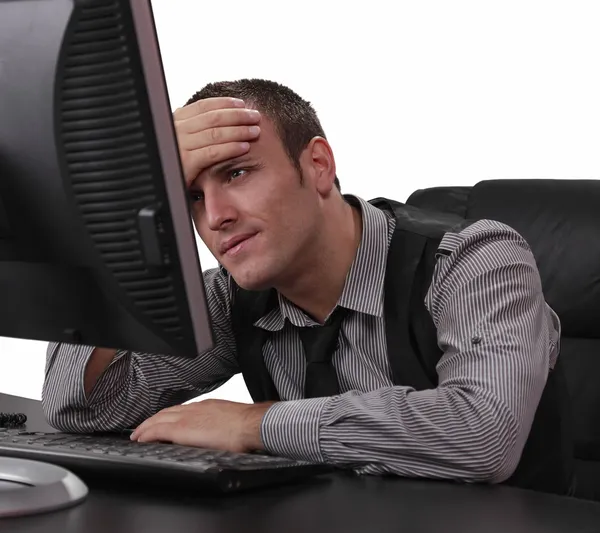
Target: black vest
point(413, 351)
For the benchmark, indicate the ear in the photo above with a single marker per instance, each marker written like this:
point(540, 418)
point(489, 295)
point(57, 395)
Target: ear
point(318, 165)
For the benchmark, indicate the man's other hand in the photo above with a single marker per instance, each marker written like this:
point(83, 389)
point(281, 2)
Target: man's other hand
point(213, 130)
point(213, 424)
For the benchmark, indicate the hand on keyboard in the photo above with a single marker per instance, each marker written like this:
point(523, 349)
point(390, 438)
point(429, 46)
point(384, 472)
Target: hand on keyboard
point(215, 424)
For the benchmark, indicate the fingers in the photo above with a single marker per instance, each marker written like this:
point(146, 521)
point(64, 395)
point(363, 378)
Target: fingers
point(219, 118)
point(214, 130)
point(229, 134)
point(164, 432)
point(162, 417)
point(207, 104)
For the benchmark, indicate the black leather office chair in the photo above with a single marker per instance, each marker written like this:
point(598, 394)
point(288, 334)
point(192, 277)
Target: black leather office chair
point(560, 219)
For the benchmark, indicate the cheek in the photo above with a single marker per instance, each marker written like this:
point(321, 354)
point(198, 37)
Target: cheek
point(295, 227)
point(202, 229)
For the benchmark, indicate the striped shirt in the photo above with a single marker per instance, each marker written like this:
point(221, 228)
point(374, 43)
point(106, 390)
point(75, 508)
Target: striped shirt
point(471, 428)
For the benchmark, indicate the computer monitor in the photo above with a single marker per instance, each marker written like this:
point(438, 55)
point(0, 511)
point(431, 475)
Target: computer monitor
point(97, 244)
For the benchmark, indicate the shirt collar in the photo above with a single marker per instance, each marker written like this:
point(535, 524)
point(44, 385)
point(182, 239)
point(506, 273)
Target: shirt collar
point(364, 286)
point(363, 290)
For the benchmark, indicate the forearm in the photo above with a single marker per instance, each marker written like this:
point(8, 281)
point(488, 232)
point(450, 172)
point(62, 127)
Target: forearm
point(120, 397)
point(133, 387)
point(446, 433)
point(64, 399)
point(471, 428)
point(113, 392)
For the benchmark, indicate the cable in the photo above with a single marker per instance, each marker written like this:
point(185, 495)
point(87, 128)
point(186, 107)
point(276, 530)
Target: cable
point(12, 420)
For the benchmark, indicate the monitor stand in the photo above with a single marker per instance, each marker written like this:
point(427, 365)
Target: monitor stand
point(30, 487)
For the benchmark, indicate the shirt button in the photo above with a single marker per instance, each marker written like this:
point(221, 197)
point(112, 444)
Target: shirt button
point(476, 339)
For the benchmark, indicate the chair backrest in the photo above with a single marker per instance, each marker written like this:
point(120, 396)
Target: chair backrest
point(560, 219)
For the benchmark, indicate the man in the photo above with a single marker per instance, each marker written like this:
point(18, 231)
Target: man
point(266, 202)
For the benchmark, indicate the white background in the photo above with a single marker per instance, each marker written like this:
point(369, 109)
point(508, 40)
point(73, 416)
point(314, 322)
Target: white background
point(411, 94)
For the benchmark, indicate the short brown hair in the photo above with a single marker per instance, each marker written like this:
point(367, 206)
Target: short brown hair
point(294, 118)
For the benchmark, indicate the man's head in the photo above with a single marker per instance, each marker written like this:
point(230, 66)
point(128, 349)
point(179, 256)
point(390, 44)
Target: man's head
point(294, 119)
point(275, 197)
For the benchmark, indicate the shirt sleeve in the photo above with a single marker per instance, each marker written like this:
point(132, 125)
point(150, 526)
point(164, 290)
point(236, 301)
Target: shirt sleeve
point(499, 338)
point(137, 385)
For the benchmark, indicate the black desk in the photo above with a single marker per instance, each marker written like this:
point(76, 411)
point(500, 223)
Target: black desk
point(339, 503)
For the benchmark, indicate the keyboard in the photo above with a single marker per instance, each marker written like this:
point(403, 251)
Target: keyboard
point(116, 456)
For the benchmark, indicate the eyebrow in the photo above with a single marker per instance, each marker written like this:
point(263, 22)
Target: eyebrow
point(221, 168)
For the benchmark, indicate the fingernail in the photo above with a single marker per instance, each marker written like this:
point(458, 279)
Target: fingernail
point(254, 130)
point(238, 103)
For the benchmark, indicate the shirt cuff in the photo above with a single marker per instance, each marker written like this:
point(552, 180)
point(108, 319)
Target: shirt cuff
point(291, 429)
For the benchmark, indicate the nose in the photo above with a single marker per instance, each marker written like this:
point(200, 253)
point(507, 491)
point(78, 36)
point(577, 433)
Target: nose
point(220, 212)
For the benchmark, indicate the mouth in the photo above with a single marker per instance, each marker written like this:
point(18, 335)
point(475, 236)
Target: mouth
point(235, 245)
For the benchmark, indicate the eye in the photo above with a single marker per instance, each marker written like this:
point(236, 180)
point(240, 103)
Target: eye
point(196, 196)
point(234, 174)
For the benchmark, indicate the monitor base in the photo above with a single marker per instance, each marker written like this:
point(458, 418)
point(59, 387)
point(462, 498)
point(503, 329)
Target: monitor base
point(31, 487)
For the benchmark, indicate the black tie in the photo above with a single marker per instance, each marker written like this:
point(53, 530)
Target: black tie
point(319, 344)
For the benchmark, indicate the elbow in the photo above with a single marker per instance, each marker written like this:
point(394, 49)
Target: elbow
point(497, 470)
point(73, 419)
point(55, 415)
point(49, 408)
point(499, 457)
point(62, 412)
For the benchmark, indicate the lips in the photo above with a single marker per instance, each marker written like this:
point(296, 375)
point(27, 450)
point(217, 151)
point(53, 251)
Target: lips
point(234, 241)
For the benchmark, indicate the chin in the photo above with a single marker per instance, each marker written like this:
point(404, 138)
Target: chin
point(251, 279)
